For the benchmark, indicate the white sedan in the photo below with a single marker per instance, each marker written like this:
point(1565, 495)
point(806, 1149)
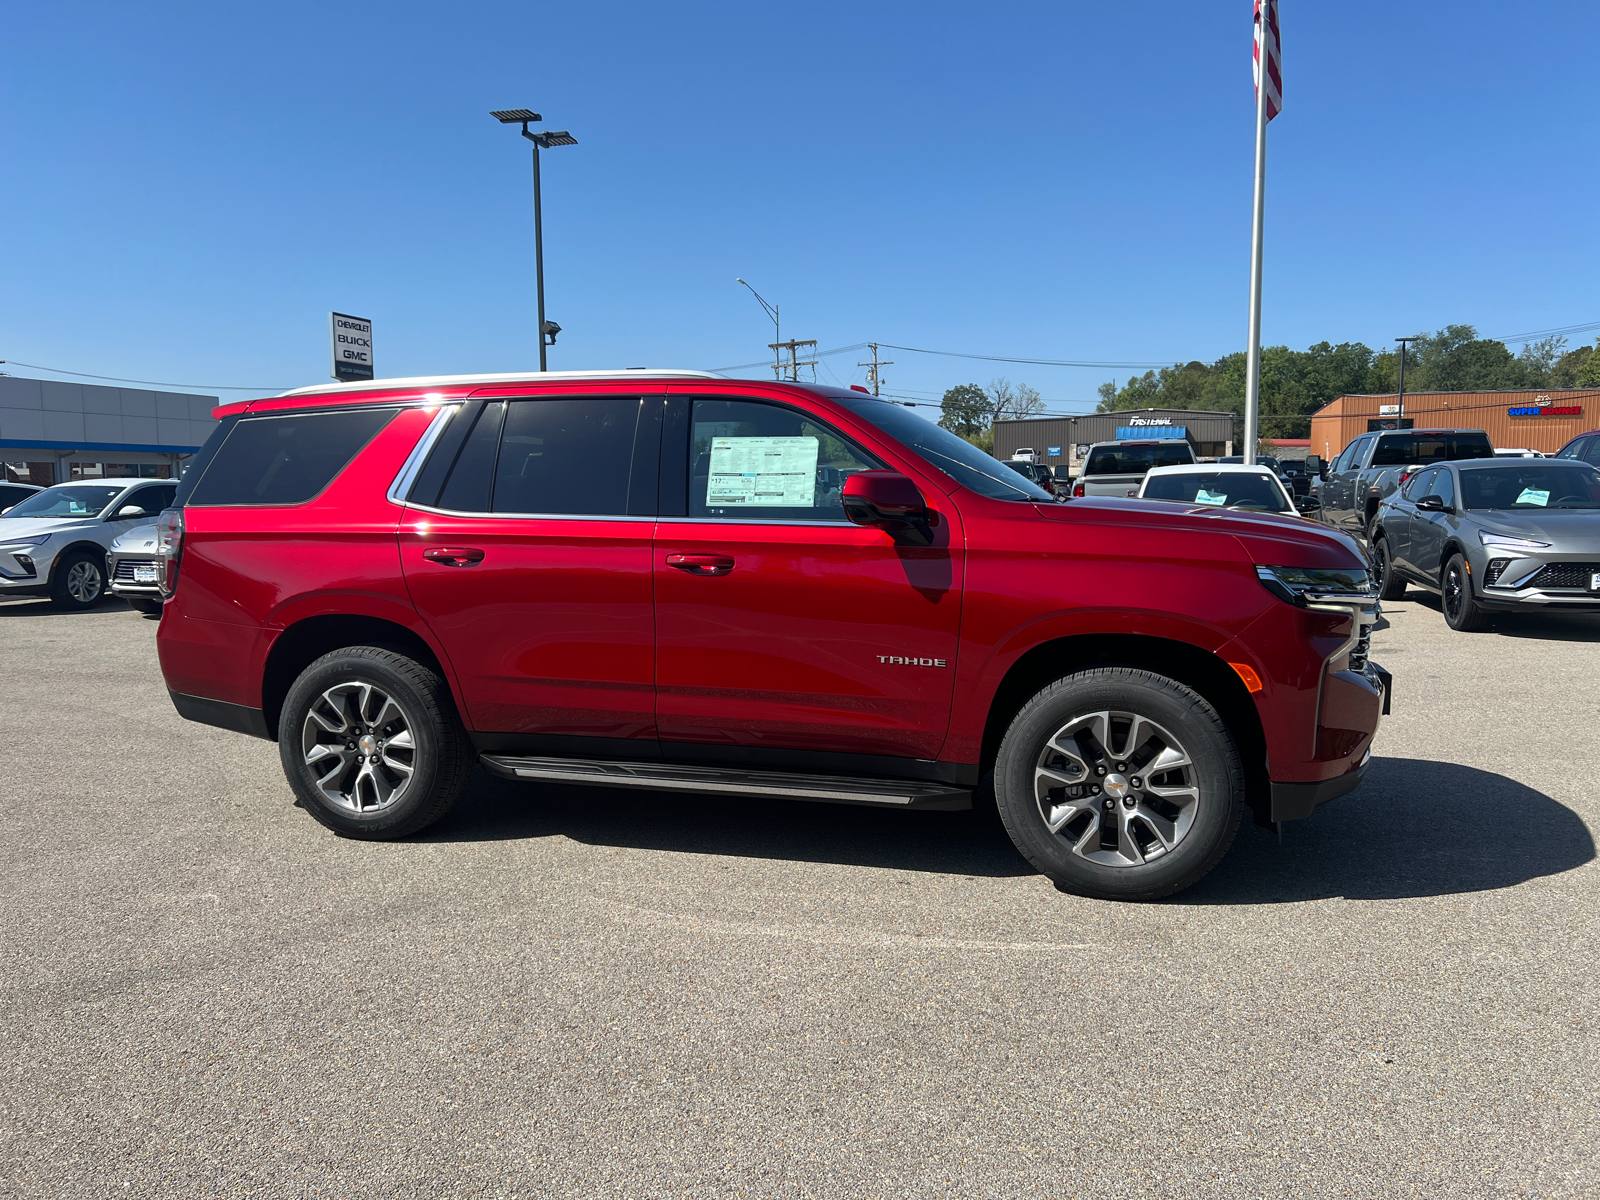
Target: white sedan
point(54, 543)
point(1225, 485)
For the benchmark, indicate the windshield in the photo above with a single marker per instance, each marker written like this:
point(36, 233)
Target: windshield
point(1532, 486)
point(956, 457)
point(1223, 489)
point(78, 500)
point(1136, 459)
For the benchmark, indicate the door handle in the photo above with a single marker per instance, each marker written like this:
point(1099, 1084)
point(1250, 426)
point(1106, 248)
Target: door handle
point(701, 564)
point(454, 556)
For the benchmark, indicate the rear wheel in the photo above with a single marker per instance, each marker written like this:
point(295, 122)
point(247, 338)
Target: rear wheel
point(371, 744)
point(1461, 609)
point(80, 580)
point(1120, 783)
point(1390, 585)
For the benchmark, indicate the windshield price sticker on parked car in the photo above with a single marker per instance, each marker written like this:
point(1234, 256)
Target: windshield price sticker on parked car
point(1202, 496)
point(774, 472)
point(1534, 496)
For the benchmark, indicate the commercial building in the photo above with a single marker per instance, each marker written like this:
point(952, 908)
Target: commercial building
point(1063, 441)
point(1532, 420)
point(52, 432)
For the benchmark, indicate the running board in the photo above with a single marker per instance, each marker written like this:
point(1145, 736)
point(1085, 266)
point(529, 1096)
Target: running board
point(830, 789)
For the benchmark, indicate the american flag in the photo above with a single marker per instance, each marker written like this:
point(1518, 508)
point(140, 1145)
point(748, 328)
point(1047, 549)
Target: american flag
point(1274, 56)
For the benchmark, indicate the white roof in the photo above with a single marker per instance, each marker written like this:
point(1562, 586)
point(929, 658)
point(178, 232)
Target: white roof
point(1213, 468)
point(367, 385)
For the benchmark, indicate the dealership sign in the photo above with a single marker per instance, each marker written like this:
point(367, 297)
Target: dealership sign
point(1543, 406)
point(350, 343)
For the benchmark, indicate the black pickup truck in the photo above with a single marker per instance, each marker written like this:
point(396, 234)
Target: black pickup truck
point(1370, 469)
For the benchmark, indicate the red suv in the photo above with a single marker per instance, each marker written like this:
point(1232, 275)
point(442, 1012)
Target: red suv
point(670, 580)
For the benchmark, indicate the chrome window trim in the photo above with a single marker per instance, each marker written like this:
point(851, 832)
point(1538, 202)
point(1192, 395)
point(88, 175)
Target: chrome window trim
point(419, 454)
point(515, 516)
point(757, 521)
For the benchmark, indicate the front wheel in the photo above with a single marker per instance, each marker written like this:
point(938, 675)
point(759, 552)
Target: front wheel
point(1461, 609)
point(1120, 783)
point(80, 581)
point(372, 745)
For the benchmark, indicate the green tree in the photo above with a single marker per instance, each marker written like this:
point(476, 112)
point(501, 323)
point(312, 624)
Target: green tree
point(966, 410)
point(1573, 367)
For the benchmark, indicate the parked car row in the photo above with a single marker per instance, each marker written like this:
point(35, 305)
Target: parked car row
point(57, 541)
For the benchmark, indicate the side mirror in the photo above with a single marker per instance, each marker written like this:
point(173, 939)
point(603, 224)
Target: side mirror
point(1434, 504)
point(1308, 504)
point(127, 511)
point(889, 501)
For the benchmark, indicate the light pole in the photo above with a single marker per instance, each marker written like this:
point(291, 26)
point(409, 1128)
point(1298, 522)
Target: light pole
point(541, 141)
point(1400, 407)
point(777, 333)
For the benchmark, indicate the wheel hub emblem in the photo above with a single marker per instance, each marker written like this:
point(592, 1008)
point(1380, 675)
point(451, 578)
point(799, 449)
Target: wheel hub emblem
point(368, 744)
point(1116, 786)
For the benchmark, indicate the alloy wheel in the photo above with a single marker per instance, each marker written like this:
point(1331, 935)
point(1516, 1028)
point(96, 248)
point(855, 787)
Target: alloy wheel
point(1117, 788)
point(1453, 593)
point(358, 746)
point(84, 582)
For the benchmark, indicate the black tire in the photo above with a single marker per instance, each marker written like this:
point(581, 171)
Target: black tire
point(1461, 610)
point(150, 608)
point(79, 582)
point(1215, 772)
point(1390, 585)
point(441, 756)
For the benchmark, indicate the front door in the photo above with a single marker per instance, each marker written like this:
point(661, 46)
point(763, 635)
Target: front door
point(527, 550)
point(1429, 529)
point(779, 624)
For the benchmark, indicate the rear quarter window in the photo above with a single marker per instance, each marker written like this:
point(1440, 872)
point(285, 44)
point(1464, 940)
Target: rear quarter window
point(285, 459)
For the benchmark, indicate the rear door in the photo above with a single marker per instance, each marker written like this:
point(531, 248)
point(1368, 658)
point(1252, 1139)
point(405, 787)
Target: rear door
point(1403, 515)
point(780, 625)
point(1338, 489)
point(526, 547)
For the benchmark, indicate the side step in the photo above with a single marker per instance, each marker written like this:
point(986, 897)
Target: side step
point(831, 789)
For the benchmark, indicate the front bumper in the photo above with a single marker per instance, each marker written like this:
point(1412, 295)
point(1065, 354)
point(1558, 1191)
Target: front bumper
point(125, 575)
point(1296, 801)
point(1537, 582)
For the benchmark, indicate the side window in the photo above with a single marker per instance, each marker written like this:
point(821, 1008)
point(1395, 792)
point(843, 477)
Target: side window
point(567, 456)
point(1417, 486)
point(286, 459)
point(472, 474)
point(1575, 448)
point(1356, 453)
point(749, 460)
point(155, 499)
point(1591, 452)
point(1444, 487)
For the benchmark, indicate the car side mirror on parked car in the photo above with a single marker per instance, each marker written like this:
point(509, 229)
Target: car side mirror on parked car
point(129, 510)
point(1307, 504)
point(889, 501)
point(1314, 464)
point(1434, 504)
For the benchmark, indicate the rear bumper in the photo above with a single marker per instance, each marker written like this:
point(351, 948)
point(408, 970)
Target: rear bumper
point(1296, 801)
point(237, 717)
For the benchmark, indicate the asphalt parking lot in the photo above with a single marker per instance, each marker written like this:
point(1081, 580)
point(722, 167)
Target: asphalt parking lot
point(585, 993)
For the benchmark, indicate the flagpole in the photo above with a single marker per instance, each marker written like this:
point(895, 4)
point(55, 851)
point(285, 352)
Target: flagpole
point(1252, 376)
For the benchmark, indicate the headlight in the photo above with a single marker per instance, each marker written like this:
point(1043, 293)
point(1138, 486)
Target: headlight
point(1503, 542)
point(24, 543)
point(1307, 585)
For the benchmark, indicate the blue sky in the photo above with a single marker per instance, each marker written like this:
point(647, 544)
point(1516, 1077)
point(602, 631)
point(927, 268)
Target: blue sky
point(190, 188)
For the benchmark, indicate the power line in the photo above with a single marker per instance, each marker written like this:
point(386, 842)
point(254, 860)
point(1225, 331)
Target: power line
point(215, 387)
point(1033, 362)
point(1543, 333)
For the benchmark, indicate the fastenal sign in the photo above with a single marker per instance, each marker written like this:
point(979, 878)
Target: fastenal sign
point(350, 343)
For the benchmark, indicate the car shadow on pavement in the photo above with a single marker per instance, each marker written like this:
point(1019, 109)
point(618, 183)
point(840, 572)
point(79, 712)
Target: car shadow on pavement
point(954, 843)
point(1414, 828)
point(1540, 626)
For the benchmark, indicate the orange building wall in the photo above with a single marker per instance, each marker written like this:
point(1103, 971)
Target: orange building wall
point(1333, 426)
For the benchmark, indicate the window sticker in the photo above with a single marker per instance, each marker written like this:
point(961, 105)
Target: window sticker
point(769, 472)
point(1202, 496)
point(1534, 496)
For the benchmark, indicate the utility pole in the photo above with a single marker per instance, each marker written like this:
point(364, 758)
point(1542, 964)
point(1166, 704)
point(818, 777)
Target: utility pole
point(1400, 408)
point(795, 361)
point(872, 367)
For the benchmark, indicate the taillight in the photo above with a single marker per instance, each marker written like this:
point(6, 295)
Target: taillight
point(1077, 489)
point(169, 547)
point(1407, 474)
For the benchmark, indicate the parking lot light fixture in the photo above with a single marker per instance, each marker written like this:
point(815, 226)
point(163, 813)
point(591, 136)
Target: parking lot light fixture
point(542, 140)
